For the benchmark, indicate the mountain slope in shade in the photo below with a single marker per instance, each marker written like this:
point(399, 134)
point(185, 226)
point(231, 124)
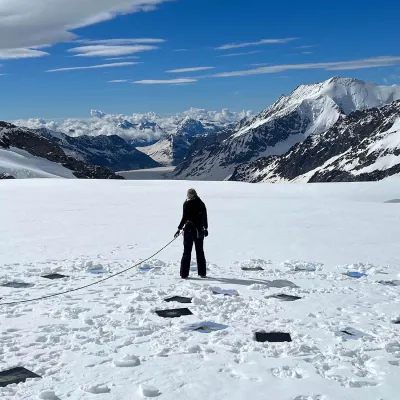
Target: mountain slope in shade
point(365, 146)
point(108, 151)
point(308, 110)
point(173, 149)
point(25, 154)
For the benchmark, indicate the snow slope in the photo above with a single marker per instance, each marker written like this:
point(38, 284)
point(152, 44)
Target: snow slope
point(308, 110)
point(20, 164)
point(106, 342)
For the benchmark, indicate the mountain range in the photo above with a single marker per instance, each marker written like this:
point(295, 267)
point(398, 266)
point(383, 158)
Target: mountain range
point(308, 111)
point(364, 146)
point(342, 129)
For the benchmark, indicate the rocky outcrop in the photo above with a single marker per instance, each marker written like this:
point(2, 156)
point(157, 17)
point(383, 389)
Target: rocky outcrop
point(6, 176)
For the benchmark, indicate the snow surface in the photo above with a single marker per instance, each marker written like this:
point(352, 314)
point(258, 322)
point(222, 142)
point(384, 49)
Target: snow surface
point(21, 164)
point(106, 342)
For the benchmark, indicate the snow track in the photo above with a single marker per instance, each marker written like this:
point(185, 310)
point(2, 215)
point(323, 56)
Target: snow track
point(106, 342)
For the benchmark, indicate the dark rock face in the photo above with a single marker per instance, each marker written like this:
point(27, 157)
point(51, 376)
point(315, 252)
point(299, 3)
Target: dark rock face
point(6, 176)
point(24, 139)
point(106, 151)
point(354, 149)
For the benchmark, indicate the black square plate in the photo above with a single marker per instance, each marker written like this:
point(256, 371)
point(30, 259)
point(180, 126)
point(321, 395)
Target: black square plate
point(18, 285)
point(286, 297)
point(273, 337)
point(179, 299)
point(54, 276)
point(15, 375)
point(390, 283)
point(176, 313)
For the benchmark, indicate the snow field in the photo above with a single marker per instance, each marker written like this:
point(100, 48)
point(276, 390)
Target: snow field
point(106, 342)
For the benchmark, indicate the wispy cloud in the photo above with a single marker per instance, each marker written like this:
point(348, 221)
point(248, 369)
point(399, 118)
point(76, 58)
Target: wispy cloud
point(178, 81)
point(259, 65)
point(258, 43)
point(30, 23)
point(118, 81)
point(374, 62)
point(116, 42)
point(192, 69)
point(307, 52)
point(179, 50)
point(123, 58)
point(100, 50)
point(113, 65)
point(310, 46)
point(240, 54)
point(13, 54)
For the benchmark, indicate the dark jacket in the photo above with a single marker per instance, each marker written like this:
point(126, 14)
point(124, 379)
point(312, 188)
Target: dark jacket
point(194, 211)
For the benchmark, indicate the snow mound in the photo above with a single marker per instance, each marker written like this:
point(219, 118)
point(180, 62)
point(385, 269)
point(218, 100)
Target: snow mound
point(127, 361)
point(148, 391)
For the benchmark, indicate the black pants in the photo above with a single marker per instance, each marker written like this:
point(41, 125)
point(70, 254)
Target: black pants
point(190, 237)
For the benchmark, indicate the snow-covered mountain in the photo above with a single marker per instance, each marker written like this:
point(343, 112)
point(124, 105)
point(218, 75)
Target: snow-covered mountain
point(365, 146)
point(308, 110)
point(107, 151)
point(25, 154)
point(139, 129)
point(174, 148)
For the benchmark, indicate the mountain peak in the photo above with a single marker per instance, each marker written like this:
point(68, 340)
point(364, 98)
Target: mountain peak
point(190, 127)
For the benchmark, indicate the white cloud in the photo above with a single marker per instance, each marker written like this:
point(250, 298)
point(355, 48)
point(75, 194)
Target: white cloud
point(13, 54)
point(240, 54)
point(113, 65)
point(259, 43)
point(109, 51)
point(181, 50)
point(116, 42)
point(307, 52)
point(118, 81)
point(193, 69)
point(178, 81)
point(310, 46)
point(27, 23)
point(374, 62)
point(123, 58)
point(259, 65)
point(101, 123)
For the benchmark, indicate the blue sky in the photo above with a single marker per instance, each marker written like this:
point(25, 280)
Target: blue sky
point(255, 51)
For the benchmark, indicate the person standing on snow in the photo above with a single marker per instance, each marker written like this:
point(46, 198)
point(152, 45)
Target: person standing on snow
point(195, 228)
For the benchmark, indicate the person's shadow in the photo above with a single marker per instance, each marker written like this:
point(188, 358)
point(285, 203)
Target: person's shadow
point(278, 283)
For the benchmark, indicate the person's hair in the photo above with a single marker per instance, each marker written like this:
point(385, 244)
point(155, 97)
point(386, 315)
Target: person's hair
point(191, 194)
